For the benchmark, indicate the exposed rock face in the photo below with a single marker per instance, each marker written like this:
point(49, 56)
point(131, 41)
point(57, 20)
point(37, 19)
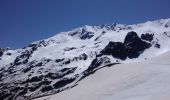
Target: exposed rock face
point(42, 82)
point(116, 49)
point(1, 53)
point(25, 55)
point(147, 37)
point(2, 50)
point(86, 35)
point(83, 34)
point(132, 47)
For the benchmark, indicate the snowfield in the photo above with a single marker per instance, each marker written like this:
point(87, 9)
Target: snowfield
point(145, 80)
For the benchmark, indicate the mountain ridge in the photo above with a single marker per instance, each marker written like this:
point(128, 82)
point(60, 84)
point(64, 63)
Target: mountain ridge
point(58, 63)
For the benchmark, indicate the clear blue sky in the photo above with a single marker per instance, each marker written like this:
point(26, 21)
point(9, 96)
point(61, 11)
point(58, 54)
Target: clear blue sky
point(25, 21)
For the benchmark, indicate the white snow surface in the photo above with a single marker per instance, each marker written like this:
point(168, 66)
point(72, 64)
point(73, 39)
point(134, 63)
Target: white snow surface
point(145, 80)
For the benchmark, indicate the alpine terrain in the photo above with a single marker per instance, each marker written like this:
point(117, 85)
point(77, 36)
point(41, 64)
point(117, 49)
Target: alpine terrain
point(102, 62)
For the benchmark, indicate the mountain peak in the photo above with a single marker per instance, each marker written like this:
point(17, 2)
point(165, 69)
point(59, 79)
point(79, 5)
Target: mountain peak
point(58, 63)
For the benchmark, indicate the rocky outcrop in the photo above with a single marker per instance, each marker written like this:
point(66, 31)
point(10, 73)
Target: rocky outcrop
point(116, 49)
point(86, 35)
point(135, 45)
point(132, 47)
point(147, 37)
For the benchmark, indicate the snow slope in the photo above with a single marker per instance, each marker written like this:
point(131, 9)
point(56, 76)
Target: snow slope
point(60, 62)
point(145, 80)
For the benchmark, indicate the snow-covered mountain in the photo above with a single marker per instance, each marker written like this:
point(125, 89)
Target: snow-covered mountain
point(60, 62)
point(144, 80)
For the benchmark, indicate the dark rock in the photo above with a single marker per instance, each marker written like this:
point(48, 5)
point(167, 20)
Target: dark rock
point(9, 54)
point(23, 58)
point(63, 82)
point(67, 62)
point(5, 95)
point(116, 49)
point(52, 75)
point(76, 58)
point(25, 61)
point(134, 45)
point(28, 68)
point(11, 97)
point(47, 60)
point(25, 55)
point(34, 79)
point(17, 61)
point(80, 57)
point(4, 87)
point(39, 64)
point(97, 43)
point(147, 37)
point(84, 56)
point(74, 33)
point(131, 37)
point(96, 38)
point(46, 88)
point(35, 87)
point(24, 91)
point(103, 32)
point(64, 70)
point(157, 45)
point(11, 70)
point(33, 47)
point(16, 89)
point(59, 60)
point(61, 73)
point(96, 63)
point(68, 70)
point(167, 34)
point(1, 53)
point(112, 27)
point(46, 82)
point(42, 43)
point(86, 35)
point(166, 25)
point(2, 50)
point(68, 49)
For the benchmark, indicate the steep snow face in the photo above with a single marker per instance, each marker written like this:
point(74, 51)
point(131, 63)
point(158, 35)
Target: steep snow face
point(58, 63)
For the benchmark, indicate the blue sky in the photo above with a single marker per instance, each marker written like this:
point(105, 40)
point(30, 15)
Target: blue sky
point(25, 21)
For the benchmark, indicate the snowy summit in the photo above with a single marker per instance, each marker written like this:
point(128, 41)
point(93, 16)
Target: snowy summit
point(102, 62)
